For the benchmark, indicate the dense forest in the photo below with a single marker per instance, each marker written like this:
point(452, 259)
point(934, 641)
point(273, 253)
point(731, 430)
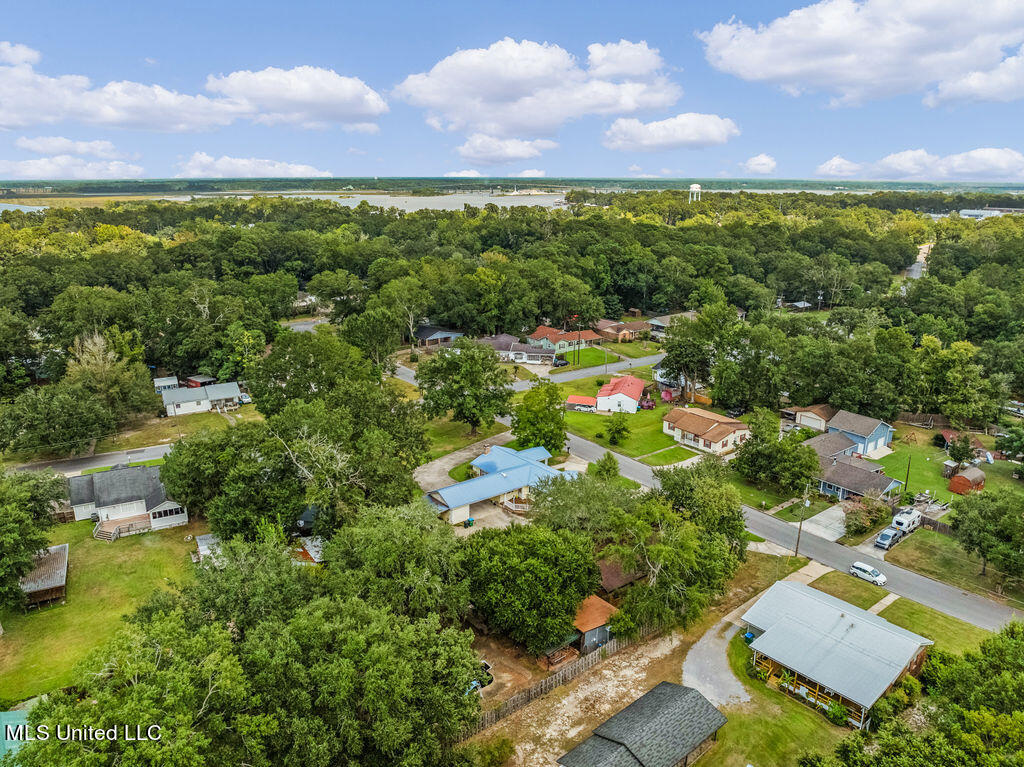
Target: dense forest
point(95, 294)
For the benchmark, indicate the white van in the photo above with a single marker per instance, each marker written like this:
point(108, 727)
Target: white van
point(868, 573)
point(907, 520)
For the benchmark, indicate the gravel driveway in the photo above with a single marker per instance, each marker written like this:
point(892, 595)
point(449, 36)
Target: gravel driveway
point(706, 667)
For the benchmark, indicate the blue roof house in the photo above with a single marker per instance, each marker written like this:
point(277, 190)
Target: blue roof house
point(868, 434)
point(504, 477)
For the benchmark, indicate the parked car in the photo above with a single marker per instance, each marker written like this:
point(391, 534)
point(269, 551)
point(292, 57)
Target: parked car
point(734, 412)
point(245, 399)
point(559, 363)
point(907, 520)
point(868, 573)
point(888, 538)
point(586, 408)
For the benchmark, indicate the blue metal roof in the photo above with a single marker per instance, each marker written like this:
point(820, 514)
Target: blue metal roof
point(505, 470)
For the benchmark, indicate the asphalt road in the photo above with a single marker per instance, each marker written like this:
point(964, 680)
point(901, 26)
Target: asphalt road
point(71, 466)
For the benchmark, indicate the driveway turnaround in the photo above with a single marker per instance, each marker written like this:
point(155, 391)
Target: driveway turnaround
point(706, 667)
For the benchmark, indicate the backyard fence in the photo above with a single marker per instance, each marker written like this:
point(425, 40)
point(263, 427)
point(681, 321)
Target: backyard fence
point(565, 674)
point(936, 525)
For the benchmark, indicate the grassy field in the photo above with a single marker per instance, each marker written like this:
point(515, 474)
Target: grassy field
point(672, 455)
point(770, 728)
point(754, 496)
point(940, 557)
point(633, 349)
point(589, 357)
point(158, 431)
point(853, 590)
point(794, 511)
point(105, 581)
point(445, 436)
point(151, 462)
point(408, 390)
point(518, 372)
point(645, 434)
point(948, 633)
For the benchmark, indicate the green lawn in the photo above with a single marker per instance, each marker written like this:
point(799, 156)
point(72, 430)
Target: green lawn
point(151, 462)
point(948, 633)
point(158, 431)
point(445, 436)
point(589, 357)
point(940, 557)
point(853, 590)
point(462, 472)
point(666, 457)
point(405, 388)
point(915, 446)
point(105, 581)
point(754, 496)
point(645, 435)
point(633, 349)
point(518, 372)
point(794, 511)
point(771, 728)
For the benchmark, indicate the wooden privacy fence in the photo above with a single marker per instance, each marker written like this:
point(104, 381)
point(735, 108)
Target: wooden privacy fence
point(565, 674)
point(936, 525)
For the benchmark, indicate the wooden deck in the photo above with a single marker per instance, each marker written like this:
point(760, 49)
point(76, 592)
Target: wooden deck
point(107, 530)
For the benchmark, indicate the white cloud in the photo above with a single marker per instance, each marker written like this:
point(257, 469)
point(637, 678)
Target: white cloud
point(305, 96)
point(838, 167)
point(67, 167)
point(202, 165)
point(634, 168)
point(356, 150)
point(17, 54)
point(488, 150)
point(690, 129)
point(919, 164)
point(526, 88)
point(863, 49)
point(759, 164)
point(1004, 82)
point(468, 173)
point(55, 145)
point(622, 59)
point(530, 173)
point(311, 97)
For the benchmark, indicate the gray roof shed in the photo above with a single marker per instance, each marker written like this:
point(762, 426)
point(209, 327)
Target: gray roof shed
point(658, 729)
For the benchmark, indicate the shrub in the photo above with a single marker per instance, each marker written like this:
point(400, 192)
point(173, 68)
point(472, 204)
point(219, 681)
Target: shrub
point(912, 687)
point(935, 666)
point(495, 752)
point(862, 516)
point(599, 435)
point(837, 714)
point(414, 357)
point(600, 382)
point(623, 625)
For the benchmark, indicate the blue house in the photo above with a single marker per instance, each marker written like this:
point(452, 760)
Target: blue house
point(433, 335)
point(504, 477)
point(868, 434)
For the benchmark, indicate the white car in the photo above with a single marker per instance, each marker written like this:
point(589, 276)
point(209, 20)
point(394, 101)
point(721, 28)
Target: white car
point(868, 573)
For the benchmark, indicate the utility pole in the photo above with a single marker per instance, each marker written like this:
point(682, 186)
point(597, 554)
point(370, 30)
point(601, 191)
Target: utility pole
point(906, 482)
point(800, 523)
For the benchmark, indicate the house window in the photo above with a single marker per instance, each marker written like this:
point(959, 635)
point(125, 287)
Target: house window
point(162, 513)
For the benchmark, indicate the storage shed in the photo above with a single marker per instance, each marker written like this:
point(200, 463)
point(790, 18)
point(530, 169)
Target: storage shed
point(592, 621)
point(968, 480)
point(48, 581)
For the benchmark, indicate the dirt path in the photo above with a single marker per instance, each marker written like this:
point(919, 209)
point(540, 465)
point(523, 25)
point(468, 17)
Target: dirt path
point(706, 667)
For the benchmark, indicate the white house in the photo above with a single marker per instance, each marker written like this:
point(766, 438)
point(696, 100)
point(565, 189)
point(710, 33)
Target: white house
point(162, 384)
point(200, 399)
point(621, 395)
point(126, 500)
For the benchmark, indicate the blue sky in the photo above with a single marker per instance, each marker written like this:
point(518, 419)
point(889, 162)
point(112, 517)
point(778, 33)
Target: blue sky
point(894, 89)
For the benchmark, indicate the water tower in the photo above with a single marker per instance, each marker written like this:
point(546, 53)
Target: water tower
point(694, 192)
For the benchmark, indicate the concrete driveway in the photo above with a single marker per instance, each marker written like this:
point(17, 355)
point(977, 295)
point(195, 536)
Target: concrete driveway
point(829, 524)
point(432, 475)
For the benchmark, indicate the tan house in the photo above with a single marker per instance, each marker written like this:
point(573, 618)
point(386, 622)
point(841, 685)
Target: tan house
point(704, 430)
point(621, 332)
point(813, 416)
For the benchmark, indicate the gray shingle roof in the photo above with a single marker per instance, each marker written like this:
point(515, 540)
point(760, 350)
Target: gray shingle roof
point(657, 730)
point(51, 570)
point(199, 393)
point(830, 443)
point(122, 484)
point(849, 650)
point(851, 476)
point(854, 423)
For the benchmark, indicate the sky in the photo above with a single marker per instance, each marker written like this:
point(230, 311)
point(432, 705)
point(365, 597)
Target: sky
point(838, 89)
